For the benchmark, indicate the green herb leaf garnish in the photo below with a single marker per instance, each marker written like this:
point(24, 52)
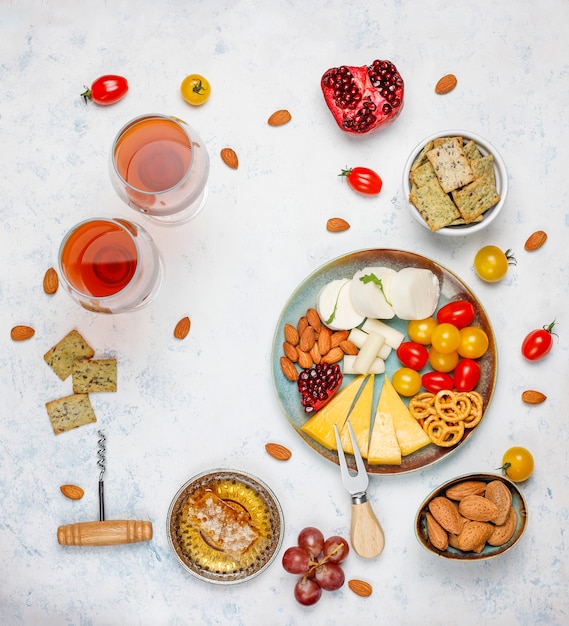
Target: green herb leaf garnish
point(372, 278)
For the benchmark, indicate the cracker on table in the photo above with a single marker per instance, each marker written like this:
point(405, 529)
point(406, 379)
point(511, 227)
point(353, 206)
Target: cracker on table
point(451, 165)
point(70, 412)
point(94, 375)
point(435, 206)
point(61, 356)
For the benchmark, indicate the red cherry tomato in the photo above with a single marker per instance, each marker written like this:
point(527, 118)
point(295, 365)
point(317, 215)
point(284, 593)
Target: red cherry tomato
point(466, 375)
point(459, 313)
point(538, 343)
point(413, 355)
point(363, 180)
point(437, 381)
point(106, 89)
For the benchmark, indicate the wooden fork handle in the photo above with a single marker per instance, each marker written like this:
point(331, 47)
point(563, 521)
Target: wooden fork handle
point(366, 532)
point(106, 533)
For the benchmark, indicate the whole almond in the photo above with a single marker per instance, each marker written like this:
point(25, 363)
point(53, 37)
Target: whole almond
point(229, 157)
point(535, 240)
point(302, 325)
point(315, 354)
point(73, 492)
point(446, 514)
point(478, 509)
point(466, 488)
point(291, 334)
point(438, 536)
point(501, 496)
point(446, 83)
point(530, 396)
point(290, 351)
point(337, 337)
point(307, 339)
point(304, 359)
point(360, 587)
point(348, 347)
point(337, 225)
point(280, 117)
point(314, 319)
point(21, 333)
point(501, 534)
point(278, 452)
point(324, 340)
point(182, 328)
point(289, 369)
point(50, 281)
point(473, 535)
point(335, 355)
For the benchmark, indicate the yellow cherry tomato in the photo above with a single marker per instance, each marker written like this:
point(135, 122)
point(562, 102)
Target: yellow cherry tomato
point(445, 338)
point(420, 331)
point(491, 263)
point(517, 464)
point(406, 381)
point(442, 362)
point(195, 89)
point(473, 342)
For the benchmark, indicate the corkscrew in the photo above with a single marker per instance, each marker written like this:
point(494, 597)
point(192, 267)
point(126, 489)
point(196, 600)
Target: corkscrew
point(104, 532)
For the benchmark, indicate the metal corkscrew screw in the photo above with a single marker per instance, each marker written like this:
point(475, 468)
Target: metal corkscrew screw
point(101, 453)
point(104, 532)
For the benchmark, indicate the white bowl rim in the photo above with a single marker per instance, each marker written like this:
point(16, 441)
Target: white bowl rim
point(499, 165)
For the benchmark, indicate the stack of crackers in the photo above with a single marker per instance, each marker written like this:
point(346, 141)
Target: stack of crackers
point(452, 183)
point(72, 356)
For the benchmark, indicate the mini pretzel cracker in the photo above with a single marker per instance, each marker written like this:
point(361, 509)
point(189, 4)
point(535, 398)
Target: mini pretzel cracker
point(445, 416)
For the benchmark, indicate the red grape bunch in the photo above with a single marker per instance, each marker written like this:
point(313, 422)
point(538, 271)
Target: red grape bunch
point(318, 562)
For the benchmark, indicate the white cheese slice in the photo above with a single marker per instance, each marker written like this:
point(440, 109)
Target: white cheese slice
point(414, 293)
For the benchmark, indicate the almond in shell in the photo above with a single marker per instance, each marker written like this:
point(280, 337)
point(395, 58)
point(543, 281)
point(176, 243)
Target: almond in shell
point(466, 488)
point(280, 117)
point(278, 451)
point(438, 536)
point(504, 532)
point(446, 514)
point(445, 84)
point(501, 496)
point(473, 535)
point(50, 281)
point(182, 328)
point(530, 396)
point(337, 225)
point(360, 587)
point(73, 492)
point(21, 333)
point(478, 508)
point(535, 240)
point(229, 157)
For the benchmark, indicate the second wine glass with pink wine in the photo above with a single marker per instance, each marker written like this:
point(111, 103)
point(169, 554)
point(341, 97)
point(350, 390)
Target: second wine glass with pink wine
point(159, 166)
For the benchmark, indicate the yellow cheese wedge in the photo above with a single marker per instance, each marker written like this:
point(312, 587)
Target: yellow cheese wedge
point(321, 425)
point(360, 418)
point(383, 446)
point(410, 435)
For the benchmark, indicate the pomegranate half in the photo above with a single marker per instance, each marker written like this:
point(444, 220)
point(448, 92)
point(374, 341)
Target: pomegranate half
point(363, 99)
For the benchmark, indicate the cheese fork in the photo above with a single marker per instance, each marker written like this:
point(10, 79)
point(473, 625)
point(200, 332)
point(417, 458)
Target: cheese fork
point(366, 533)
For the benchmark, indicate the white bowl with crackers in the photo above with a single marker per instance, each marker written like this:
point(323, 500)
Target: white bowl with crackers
point(472, 517)
point(455, 182)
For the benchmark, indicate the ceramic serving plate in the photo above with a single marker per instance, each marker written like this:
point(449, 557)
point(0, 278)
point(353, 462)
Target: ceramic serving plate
point(243, 492)
point(453, 554)
point(305, 296)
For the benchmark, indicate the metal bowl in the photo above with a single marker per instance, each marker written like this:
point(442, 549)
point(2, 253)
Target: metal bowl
point(453, 554)
point(500, 173)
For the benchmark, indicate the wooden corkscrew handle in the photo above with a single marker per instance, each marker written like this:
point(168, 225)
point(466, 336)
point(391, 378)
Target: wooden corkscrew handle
point(106, 533)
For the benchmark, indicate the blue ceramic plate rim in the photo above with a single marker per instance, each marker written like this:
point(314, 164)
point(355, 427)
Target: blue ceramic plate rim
point(345, 266)
point(453, 554)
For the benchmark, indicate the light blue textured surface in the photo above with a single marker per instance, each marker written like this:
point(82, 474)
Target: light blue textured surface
point(208, 401)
